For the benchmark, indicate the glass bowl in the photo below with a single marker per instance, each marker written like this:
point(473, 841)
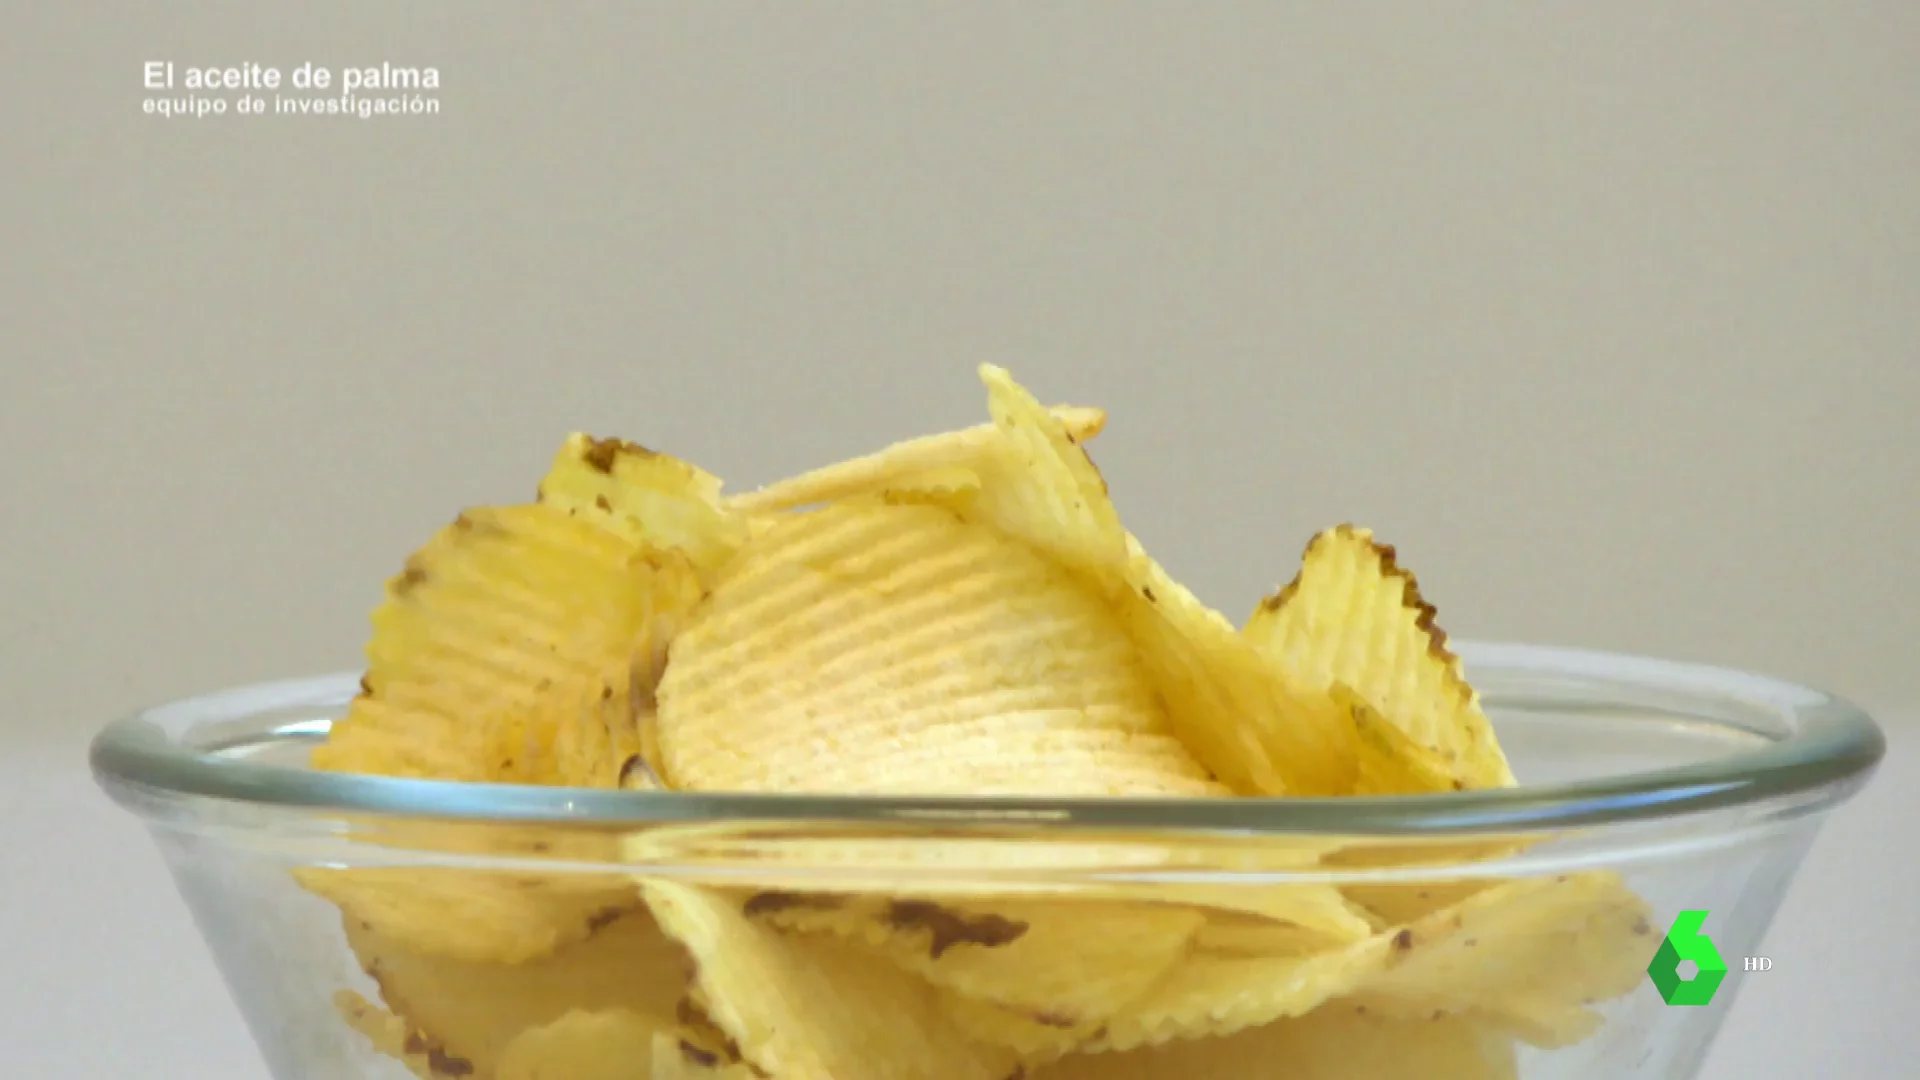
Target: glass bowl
point(379, 927)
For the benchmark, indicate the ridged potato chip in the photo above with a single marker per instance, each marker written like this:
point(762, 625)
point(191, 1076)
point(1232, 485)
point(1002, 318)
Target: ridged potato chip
point(1228, 704)
point(505, 653)
point(1535, 951)
point(476, 1011)
point(943, 463)
point(471, 915)
point(1067, 964)
point(609, 1044)
point(1331, 1044)
point(1389, 761)
point(1536, 942)
point(871, 648)
point(1353, 616)
point(1039, 486)
point(646, 497)
point(811, 1008)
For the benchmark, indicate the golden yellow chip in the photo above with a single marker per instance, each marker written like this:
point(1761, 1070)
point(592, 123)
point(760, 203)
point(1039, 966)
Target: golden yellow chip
point(1530, 943)
point(1353, 616)
point(677, 1057)
point(1329, 1044)
point(947, 462)
point(875, 648)
point(1033, 1036)
point(1067, 963)
point(1230, 934)
point(1039, 486)
point(1390, 762)
point(1240, 718)
point(648, 498)
point(805, 1007)
point(610, 1044)
point(469, 915)
point(476, 1010)
point(506, 653)
point(1397, 903)
point(390, 1035)
point(1533, 953)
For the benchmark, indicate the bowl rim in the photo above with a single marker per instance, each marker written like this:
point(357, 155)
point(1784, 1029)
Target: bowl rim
point(1832, 748)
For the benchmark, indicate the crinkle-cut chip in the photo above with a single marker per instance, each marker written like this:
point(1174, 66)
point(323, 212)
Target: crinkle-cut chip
point(469, 915)
point(1390, 762)
point(1212, 995)
point(1569, 940)
point(875, 648)
point(1535, 950)
point(648, 498)
point(1353, 615)
point(948, 461)
point(1038, 485)
point(1065, 962)
point(1329, 1044)
point(505, 653)
point(475, 1010)
point(606, 1044)
point(812, 1008)
point(1228, 704)
point(391, 1036)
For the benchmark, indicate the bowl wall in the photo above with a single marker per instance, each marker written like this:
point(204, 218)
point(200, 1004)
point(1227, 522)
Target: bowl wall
point(462, 935)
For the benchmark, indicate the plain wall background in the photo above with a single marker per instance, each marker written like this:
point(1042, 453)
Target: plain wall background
point(1607, 314)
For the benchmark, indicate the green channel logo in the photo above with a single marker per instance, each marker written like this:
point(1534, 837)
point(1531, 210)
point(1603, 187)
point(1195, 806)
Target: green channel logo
point(1686, 942)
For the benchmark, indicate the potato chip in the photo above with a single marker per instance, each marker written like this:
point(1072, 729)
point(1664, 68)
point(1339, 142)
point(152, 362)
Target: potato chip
point(1232, 934)
point(506, 652)
point(391, 1036)
point(1398, 903)
point(675, 1057)
point(610, 1044)
point(1352, 615)
point(1066, 963)
point(1532, 953)
point(1568, 940)
point(470, 915)
point(1240, 719)
point(476, 1010)
point(1034, 1036)
point(1389, 761)
point(1039, 486)
point(945, 462)
point(811, 1008)
point(871, 648)
point(646, 497)
point(1213, 995)
point(1328, 1044)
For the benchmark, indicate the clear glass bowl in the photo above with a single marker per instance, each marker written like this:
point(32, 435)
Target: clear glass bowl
point(502, 922)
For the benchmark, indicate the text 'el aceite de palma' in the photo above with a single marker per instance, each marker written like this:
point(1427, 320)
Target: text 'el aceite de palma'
point(385, 89)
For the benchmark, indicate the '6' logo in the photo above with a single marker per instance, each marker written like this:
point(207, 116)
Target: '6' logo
point(1686, 942)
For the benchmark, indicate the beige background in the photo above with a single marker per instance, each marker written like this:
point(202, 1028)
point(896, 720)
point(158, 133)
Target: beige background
point(1607, 314)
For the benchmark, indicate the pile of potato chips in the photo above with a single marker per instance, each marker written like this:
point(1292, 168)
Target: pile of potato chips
point(961, 614)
